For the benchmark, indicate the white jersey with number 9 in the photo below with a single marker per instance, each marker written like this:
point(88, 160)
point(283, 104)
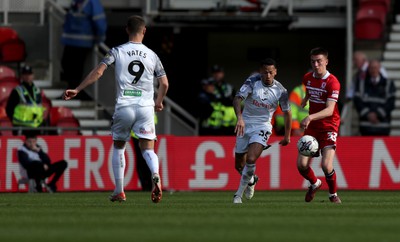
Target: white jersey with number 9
point(136, 66)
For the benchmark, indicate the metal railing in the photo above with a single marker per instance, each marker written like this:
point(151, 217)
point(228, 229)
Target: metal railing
point(170, 107)
point(54, 130)
point(8, 7)
point(104, 95)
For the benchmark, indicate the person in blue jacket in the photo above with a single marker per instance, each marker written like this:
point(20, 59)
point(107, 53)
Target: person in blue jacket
point(85, 26)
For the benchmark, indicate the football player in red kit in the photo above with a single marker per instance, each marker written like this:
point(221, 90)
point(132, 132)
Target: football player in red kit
point(322, 93)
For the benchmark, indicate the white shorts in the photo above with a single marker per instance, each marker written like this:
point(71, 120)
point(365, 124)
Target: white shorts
point(136, 118)
point(253, 133)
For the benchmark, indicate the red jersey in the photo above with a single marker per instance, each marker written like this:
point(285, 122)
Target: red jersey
point(320, 90)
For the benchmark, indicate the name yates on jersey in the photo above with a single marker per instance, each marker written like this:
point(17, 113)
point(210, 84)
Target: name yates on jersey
point(137, 53)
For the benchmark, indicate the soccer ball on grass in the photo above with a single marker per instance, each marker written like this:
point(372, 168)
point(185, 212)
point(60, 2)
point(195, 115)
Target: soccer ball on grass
point(307, 145)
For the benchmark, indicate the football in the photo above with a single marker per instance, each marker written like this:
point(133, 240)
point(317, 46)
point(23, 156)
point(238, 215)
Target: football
point(307, 145)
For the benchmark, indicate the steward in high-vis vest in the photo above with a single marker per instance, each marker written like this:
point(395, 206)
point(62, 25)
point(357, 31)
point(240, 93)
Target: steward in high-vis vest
point(24, 106)
point(207, 109)
point(298, 113)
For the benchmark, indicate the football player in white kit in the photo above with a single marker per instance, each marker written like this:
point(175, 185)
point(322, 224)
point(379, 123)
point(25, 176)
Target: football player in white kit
point(135, 69)
point(261, 94)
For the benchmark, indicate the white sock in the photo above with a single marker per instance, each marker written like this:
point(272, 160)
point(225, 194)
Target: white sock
point(151, 160)
point(317, 183)
point(247, 174)
point(251, 179)
point(118, 165)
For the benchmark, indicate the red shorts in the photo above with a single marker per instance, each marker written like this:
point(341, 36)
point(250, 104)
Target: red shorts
point(324, 138)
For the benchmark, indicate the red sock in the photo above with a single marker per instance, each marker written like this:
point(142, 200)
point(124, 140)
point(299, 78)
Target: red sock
point(331, 180)
point(309, 175)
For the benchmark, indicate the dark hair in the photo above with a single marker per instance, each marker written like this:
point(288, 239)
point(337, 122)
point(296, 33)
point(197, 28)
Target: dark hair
point(216, 68)
point(26, 70)
point(135, 23)
point(268, 62)
point(30, 135)
point(319, 51)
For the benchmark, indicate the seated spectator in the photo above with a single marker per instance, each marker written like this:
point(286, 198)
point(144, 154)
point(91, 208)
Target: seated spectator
point(38, 164)
point(360, 63)
point(24, 106)
point(374, 99)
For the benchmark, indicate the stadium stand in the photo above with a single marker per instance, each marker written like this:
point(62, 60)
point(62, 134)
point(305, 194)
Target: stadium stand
point(68, 122)
point(2, 112)
point(391, 61)
point(46, 102)
point(5, 123)
point(6, 71)
point(370, 23)
point(257, 6)
point(6, 86)
point(57, 113)
point(10, 79)
point(383, 5)
point(7, 33)
point(12, 47)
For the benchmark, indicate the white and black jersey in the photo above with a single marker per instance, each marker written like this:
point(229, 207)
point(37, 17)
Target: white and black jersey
point(136, 66)
point(261, 101)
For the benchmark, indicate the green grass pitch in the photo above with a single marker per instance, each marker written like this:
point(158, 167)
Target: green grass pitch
point(200, 216)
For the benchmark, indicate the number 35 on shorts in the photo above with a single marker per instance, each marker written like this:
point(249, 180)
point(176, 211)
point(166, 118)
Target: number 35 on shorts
point(264, 134)
point(332, 136)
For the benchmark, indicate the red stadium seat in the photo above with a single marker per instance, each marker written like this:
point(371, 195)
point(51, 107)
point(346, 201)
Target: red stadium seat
point(3, 113)
point(3, 104)
point(46, 103)
point(6, 123)
point(10, 79)
point(255, 8)
point(12, 48)
point(57, 113)
point(383, 5)
point(70, 122)
point(6, 86)
point(370, 23)
point(6, 71)
point(7, 33)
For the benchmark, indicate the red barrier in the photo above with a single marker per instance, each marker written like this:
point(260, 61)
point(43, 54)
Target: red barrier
point(207, 163)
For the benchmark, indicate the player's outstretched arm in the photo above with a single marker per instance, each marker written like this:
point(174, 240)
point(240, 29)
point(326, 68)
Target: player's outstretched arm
point(92, 77)
point(69, 94)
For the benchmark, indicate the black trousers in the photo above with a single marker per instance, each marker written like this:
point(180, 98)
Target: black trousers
point(142, 169)
point(36, 171)
point(73, 65)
